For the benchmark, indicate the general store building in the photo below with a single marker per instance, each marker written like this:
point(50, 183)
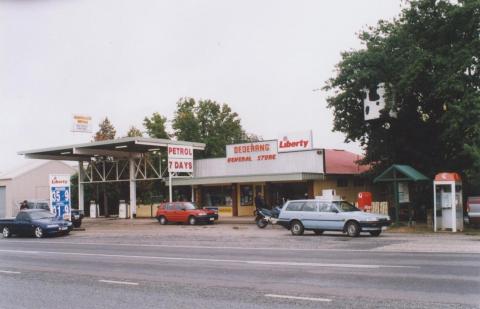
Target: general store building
point(231, 183)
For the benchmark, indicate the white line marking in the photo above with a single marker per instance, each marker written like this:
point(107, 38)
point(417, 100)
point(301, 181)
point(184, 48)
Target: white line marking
point(298, 297)
point(169, 258)
point(118, 282)
point(9, 272)
point(377, 250)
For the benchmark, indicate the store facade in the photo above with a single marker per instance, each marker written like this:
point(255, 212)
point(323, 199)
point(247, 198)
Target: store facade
point(232, 183)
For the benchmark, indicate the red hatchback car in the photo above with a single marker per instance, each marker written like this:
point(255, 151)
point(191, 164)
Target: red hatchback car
point(184, 212)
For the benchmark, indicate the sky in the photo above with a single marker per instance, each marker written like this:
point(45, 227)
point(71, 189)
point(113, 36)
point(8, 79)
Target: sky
point(268, 60)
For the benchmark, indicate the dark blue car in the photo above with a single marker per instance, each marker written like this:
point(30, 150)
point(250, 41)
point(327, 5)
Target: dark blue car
point(35, 222)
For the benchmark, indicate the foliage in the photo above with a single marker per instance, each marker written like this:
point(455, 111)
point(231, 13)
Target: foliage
point(156, 126)
point(134, 132)
point(429, 59)
point(106, 131)
point(208, 122)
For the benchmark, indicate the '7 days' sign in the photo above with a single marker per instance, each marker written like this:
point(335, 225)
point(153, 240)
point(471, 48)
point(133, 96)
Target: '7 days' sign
point(180, 159)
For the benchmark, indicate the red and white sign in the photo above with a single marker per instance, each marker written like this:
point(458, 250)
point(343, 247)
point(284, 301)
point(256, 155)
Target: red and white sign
point(249, 152)
point(297, 141)
point(180, 159)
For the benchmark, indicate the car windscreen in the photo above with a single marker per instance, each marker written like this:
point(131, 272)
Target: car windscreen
point(345, 206)
point(41, 215)
point(190, 206)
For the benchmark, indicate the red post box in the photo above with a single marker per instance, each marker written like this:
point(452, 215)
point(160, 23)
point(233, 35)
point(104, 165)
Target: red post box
point(364, 201)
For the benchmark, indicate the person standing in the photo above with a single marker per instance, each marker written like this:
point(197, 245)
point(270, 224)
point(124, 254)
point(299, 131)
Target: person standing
point(259, 201)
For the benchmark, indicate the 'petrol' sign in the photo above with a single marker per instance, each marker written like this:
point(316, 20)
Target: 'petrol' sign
point(180, 159)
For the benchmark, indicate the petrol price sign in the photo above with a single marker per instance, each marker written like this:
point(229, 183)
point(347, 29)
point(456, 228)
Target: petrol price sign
point(60, 204)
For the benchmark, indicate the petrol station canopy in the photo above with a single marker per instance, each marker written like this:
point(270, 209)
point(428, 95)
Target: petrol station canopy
point(126, 147)
point(125, 159)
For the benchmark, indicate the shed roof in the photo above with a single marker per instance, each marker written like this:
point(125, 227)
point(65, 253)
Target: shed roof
point(26, 168)
point(398, 172)
point(343, 162)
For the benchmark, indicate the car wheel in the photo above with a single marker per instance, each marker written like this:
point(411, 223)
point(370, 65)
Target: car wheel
point(375, 233)
point(192, 220)
point(38, 232)
point(77, 224)
point(297, 228)
point(318, 232)
point(162, 220)
point(353, 229)
point(6, 232)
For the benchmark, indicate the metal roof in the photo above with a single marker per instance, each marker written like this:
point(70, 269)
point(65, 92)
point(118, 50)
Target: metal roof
point(26, 168)
point(399, 172)
point(122, 147)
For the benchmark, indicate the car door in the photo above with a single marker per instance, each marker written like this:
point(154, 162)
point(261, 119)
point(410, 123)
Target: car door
point(181, 212)
point(23, 224)
point(331, 220)
point(169, 212)
point(310, 215)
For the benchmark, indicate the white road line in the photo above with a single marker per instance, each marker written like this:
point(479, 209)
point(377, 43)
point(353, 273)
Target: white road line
point(298, 297)
point(378, 250)
point(169, 258)
point(9, 272)
point(118, 282)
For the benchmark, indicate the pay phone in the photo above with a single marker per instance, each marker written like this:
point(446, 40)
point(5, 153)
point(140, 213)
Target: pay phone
point(447, 200)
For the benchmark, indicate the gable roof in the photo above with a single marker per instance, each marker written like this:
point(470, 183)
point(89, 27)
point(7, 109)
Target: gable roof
point(26, 168)
point(407, 173)
point(343, 162)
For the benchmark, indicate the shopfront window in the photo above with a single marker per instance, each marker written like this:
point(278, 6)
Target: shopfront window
point(217, 196)
point(246, 195)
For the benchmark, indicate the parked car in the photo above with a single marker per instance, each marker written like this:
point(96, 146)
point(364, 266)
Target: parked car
point(320, 215)
point(473, 209)
point(76, 215)
point(184, 212)
point(35, 222)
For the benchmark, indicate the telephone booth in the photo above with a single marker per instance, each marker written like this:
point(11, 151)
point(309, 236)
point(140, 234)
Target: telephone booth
point(447, 202)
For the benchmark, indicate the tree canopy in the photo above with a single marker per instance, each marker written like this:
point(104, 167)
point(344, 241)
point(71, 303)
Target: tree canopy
point(207, 122)
point(106, 131)
point(134, 132)
point(428, 58)
point(156, 126)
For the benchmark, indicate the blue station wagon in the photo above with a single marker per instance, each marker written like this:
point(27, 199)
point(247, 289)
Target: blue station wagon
point(319, 216)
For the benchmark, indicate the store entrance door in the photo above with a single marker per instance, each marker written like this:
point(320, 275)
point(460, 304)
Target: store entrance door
point(279, 193)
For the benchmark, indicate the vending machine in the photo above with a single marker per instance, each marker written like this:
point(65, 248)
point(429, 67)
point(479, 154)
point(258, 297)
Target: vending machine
point(447, 202)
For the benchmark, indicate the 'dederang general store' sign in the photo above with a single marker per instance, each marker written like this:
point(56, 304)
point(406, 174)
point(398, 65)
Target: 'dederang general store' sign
point(249, 152)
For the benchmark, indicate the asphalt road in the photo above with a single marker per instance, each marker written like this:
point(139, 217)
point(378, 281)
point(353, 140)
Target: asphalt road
point(82, 272)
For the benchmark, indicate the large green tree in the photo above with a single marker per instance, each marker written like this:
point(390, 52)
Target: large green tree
point(429, 60)
point(208, 122)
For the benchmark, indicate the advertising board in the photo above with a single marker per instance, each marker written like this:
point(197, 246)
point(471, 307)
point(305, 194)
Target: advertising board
point(295, 141)
point(82, 123)
point(248, 152)
point(60, 204)
point(180, 159)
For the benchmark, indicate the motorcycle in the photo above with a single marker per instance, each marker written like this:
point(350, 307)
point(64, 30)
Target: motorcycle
point(265, 216)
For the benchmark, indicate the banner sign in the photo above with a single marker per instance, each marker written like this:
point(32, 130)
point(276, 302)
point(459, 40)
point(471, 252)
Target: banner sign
point(82, 124)
point(60, 204)
point(248, 152)
point(180, 159)
point(296, 141)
